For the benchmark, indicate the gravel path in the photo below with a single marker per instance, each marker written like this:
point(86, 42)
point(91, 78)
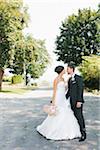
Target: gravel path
point(20, 114)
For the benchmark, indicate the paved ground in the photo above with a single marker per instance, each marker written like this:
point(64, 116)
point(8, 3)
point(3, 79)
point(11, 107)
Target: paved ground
point(19, 116)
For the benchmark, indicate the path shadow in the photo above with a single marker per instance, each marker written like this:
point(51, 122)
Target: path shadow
point(44, 88)
point(20, 117)
point(5, 91)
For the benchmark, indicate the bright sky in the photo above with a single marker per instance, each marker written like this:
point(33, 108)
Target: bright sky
point(46, 17)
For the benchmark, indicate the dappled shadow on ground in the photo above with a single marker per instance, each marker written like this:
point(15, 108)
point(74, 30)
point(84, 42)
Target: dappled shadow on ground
point(20, 117)
point(6, 91)
point(45, 88)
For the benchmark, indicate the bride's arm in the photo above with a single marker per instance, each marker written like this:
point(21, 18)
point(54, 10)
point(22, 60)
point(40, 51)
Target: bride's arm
point(66, 82)
point(54, 91)
point(66, 86)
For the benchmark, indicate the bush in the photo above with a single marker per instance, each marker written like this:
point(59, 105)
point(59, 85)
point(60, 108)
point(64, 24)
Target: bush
point(7, 79)
point(17, 79)
point(90, 69)
point(34, 84)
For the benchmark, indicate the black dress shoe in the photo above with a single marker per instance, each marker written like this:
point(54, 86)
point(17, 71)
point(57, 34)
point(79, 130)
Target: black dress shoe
point(83, 137)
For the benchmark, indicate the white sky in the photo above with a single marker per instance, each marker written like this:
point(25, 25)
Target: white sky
point(46, 17)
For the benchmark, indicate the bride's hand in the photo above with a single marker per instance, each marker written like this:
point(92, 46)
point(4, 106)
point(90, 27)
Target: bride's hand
point(50, 102)
point(78, 105)
point(53, 104)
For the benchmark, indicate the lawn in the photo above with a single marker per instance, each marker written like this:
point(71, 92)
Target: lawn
point(16, 89)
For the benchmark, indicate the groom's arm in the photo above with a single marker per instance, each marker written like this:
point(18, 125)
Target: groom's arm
point(80, 89)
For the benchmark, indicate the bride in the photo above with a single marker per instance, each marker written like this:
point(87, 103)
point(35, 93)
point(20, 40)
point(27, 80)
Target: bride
point(64, 125)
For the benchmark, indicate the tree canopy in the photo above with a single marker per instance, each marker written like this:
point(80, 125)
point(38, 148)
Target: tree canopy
point(17, 50)
point(31, 54)
point(79, 36)
point(13, 18)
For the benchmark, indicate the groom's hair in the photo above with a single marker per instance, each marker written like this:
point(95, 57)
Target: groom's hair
point(71, 65)
point(59, 69)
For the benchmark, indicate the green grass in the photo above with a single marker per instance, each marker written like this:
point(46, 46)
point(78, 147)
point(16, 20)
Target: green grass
point(16, 90)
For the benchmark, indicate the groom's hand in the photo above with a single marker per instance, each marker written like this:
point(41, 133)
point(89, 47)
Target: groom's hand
point(78, 105)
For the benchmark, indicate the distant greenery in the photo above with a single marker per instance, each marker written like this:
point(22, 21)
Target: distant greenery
point(90, 69)
point(7, 79)
point(13, 19)
point(79, 36)
point(17, 90)
point(20, 52)
point(31, 56)
point(17, 79)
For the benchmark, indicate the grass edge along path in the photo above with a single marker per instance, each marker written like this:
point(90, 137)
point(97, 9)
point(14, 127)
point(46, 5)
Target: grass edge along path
point(17, 90)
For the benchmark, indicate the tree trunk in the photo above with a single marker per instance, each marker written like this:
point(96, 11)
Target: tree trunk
point(1, 77)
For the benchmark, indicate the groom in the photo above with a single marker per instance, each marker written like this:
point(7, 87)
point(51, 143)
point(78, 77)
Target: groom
point(75, 92)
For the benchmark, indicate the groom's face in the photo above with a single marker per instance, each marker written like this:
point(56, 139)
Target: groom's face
point(69, 70)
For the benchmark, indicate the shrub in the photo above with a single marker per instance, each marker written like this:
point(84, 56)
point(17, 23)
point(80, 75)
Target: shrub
point(7, 79)
point(34, 84)
point(17, 79)
point(90, 69)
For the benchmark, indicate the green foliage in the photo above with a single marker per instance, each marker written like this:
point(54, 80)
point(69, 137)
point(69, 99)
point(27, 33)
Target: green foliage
point(17, 79)
point(31, 54)
point(79, 36)
point(90, 69)
point(13, 18)
point(7, 79)
point(16, 50)
point(41, 59)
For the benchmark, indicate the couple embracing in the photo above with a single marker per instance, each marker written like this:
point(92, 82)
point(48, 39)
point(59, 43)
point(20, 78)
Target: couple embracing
point(68, 123)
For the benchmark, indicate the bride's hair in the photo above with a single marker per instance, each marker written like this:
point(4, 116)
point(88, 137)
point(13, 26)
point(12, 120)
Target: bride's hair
point(59, 69)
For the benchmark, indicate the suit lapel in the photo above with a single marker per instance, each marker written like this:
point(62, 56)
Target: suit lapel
point(73, 81)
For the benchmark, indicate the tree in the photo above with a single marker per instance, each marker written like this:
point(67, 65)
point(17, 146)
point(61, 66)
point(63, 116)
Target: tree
point(79, 36)
point(30, 56)
point(90, 70)
point(41, 59)
point(13, 18)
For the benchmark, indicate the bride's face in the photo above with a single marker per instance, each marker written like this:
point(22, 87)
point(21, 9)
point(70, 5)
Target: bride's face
point(63, 72)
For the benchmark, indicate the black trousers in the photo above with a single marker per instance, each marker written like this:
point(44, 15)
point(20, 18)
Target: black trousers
point(78, 112)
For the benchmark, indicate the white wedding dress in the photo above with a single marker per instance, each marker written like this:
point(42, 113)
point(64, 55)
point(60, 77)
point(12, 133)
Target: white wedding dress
point(64, 125)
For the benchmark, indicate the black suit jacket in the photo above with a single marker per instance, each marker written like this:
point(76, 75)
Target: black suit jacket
point(75, 90)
